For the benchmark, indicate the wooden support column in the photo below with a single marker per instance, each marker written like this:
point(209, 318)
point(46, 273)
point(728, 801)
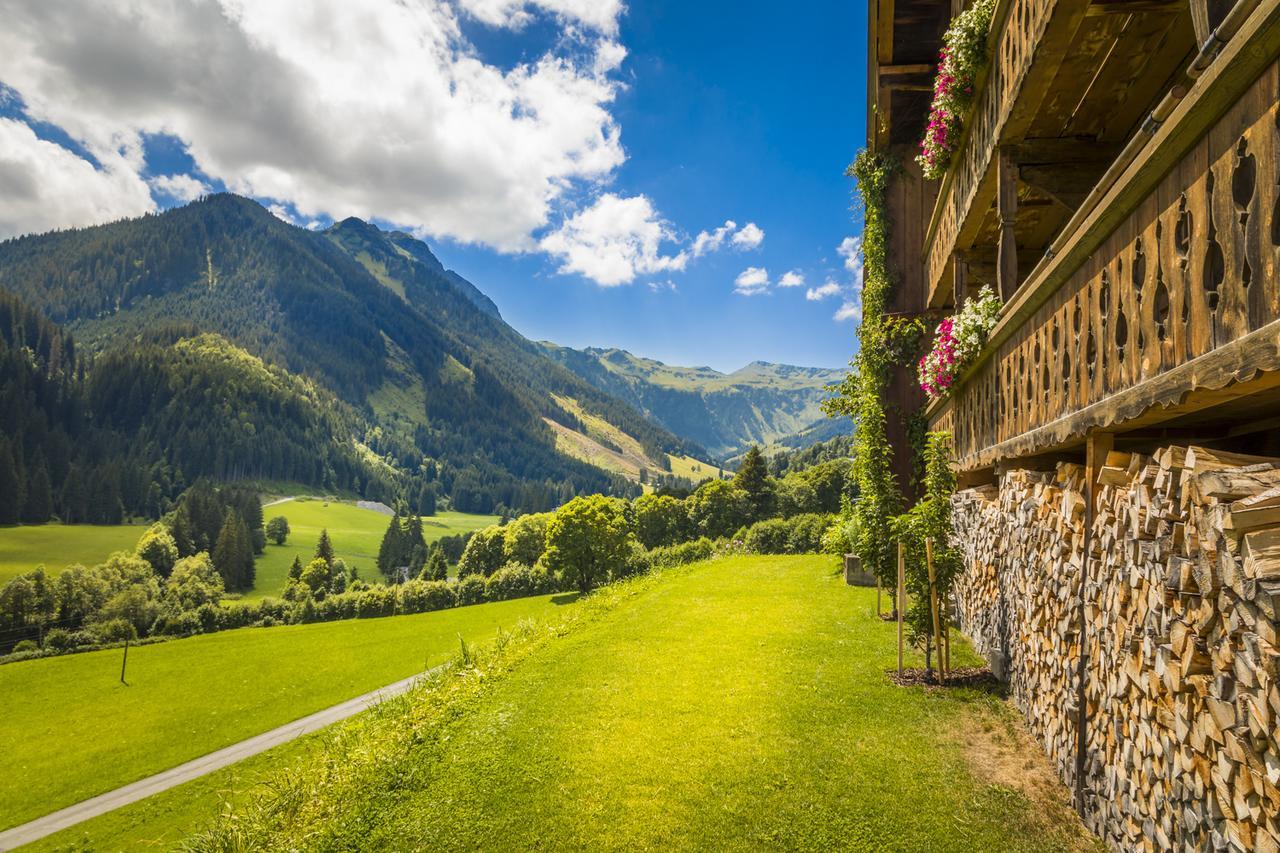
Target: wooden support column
point(1007, 208)
point(960, 278)
point(1098, 445)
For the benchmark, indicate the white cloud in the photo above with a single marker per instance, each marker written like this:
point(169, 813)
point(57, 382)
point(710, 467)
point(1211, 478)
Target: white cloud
point(817, 294)
point(750, 237)
point(613, 241)
point(334, 107)
point(710, 241)
point(45, 186)
point(751, 282)
point(794, 278)
point(850, 310)
point(180, 187)
point(600, 15)
point(659, 286)
point(850, 249)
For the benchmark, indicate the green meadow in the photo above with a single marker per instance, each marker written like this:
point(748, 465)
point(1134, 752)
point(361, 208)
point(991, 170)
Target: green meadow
point(56, 546)
point(737, 704)
point(71, 730)
point(356, 534)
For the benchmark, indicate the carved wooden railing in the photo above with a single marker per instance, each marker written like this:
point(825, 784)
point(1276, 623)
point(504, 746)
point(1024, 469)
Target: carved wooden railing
point(1019, 25)
point(1170, 285)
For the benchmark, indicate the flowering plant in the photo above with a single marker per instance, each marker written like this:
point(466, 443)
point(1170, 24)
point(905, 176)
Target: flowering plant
point(964, 55)
point(958, 341)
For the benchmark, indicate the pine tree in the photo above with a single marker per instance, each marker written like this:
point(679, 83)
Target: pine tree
point(233, 552)
point(180, 529)
point(324, 548)
point(437, 566)
point(39, 492)
point(11, 492)
point(416, 545)
point(391, 551)
point(427, 500)
point(753, 478)
point(295, 571)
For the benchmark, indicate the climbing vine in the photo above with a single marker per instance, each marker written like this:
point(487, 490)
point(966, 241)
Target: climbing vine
point(929, 519)
point(861, 396)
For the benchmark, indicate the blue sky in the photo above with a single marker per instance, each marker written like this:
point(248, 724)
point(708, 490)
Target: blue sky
point(564, 155)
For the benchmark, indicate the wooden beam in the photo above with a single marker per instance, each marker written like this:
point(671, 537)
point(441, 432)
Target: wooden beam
point(1067, 184)
point(899, 70)
point(1007, 208)
point(1064, 150)
point(1135, 7)
point(884, 31)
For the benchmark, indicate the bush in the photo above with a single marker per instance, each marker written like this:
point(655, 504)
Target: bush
point(114, 631)
point(484, 553)
point(679, 555)
point(516, 580)
point(376, 601)
point(25, 646)
point(800, 534)
point(471, 590)
point(418, 596)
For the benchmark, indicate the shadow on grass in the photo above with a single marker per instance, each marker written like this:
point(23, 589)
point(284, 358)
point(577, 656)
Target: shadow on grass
point(566, 598)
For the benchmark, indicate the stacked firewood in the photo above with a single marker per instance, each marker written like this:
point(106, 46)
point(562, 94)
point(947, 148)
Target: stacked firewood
point(1182, 591)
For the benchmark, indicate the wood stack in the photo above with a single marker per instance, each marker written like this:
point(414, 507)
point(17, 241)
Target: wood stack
point(1182, 600)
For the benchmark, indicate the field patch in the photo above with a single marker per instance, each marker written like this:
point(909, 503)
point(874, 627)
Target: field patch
point(71, 730)
point(56, 546)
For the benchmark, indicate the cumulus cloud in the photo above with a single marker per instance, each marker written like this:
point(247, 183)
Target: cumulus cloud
point(817, 294)
point(751, 282)
point(44, 186)
point(849, 310)
point(180, 187)
point(613, 241)
point(335, 107)
point(601, 15)
point(749, 237)
point(793, 278)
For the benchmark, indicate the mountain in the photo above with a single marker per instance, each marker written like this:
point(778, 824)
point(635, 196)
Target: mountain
point(762, 403)
point(427, 378)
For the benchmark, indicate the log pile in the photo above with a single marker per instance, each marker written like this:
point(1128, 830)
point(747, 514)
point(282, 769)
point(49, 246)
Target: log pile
point(1183, 659)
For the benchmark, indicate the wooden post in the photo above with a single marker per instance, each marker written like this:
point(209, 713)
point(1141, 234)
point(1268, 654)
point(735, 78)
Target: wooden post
point(124, 662)
point(1007, 207)
point(933, 605)
point(1098, 445)
point(902, 602)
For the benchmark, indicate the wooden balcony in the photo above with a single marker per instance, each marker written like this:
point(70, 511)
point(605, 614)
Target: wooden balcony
point(1067, 83)
point(1160, 303)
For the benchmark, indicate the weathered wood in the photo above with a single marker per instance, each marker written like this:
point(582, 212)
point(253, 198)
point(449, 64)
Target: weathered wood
point(1007, 207)
point(1178, 717)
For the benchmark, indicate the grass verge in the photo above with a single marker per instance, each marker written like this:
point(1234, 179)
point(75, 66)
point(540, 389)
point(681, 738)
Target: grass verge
point(736, 704)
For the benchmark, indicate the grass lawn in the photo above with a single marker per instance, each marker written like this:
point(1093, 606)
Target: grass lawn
point(56, 546)
point(71, 730)
point(356, 534)
point(736, 704)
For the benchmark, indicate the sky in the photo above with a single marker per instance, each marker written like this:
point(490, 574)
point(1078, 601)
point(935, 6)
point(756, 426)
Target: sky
point(661, 176)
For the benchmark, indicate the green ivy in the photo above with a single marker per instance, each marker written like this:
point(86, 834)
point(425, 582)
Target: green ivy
point(930, 518)
point(861, 396)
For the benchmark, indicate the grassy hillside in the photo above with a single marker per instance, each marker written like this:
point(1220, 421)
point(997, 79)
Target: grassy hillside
point(604, 445)
point(356, 534)
point(56, 546)
point(761, 403)
point(72, 730)
point(737, 704)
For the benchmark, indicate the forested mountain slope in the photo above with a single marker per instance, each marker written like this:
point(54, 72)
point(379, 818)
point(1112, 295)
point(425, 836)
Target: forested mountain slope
point(762, 403)
point(435, 382)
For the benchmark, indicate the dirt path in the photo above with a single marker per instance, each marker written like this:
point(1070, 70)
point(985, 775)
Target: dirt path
point(194, 769)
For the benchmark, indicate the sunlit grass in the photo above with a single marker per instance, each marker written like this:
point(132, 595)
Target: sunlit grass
point(56, 546)
point(71, 730)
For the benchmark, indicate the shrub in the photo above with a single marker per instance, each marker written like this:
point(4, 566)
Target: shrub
point(718, 508)
point(114, 631)
point(588, 540)
point(376, 601)
point(516, 580)
point(679, 555)
point(470, 590)
point(25, 646)
point(157, 547)
point(484, 553)
point(419, 596)
point(800, 534)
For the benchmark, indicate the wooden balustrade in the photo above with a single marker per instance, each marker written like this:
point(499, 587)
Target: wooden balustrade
point(1182, 294)
point(969, 184)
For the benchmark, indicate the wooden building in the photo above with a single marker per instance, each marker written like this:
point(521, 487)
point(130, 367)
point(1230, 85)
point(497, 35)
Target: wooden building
point(1118, 183)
